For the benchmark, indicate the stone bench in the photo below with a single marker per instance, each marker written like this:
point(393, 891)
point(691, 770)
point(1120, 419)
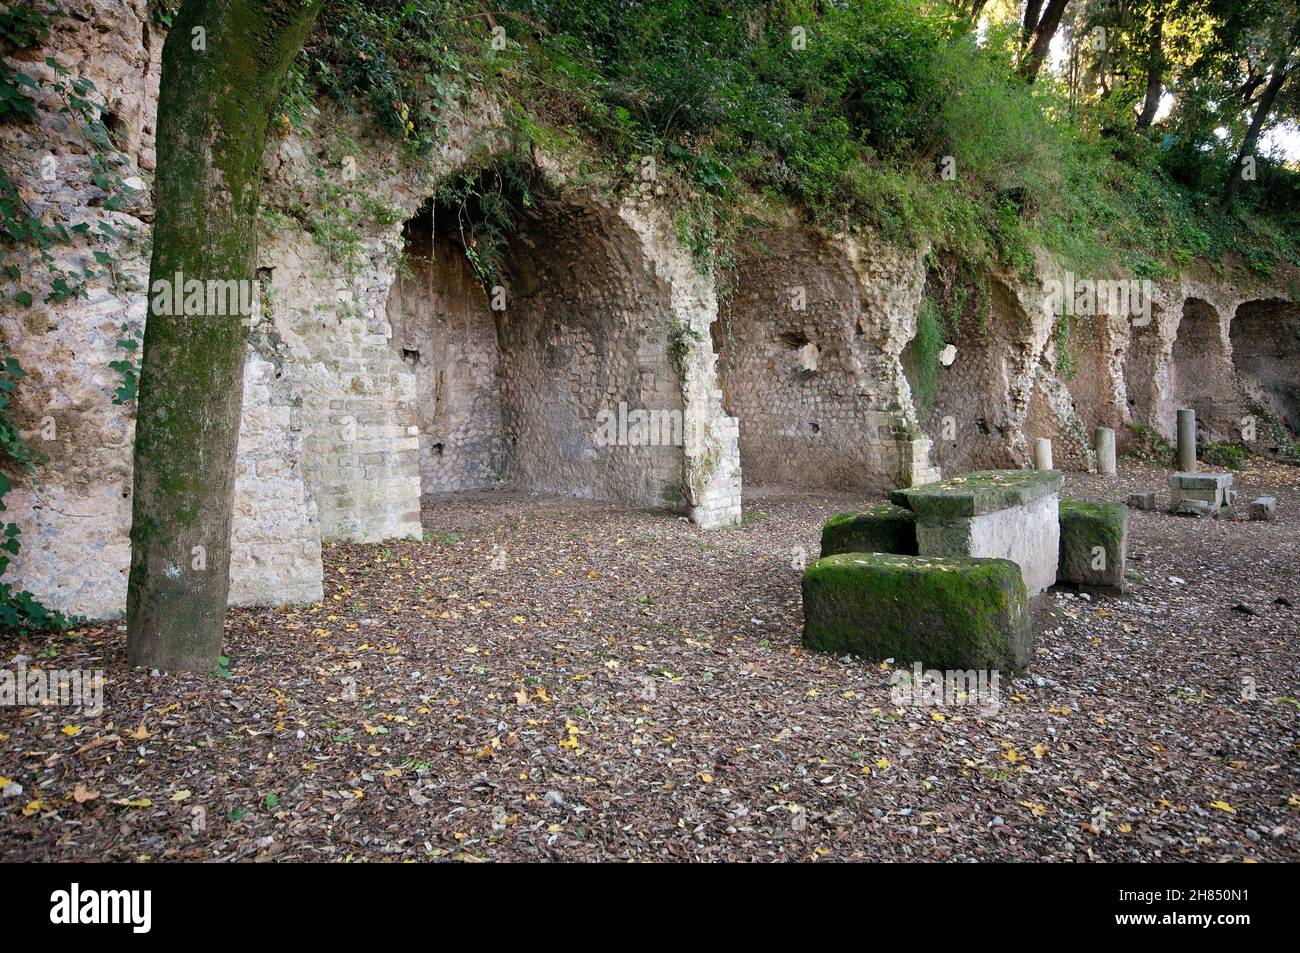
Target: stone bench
point(1004, 514)
point(947, 613)
point(1094, 541)
point(884, 528)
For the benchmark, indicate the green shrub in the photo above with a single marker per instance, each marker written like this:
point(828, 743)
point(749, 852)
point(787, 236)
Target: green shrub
point(853, 128)
point(1231, 456)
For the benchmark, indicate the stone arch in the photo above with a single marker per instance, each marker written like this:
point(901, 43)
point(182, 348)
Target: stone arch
point(1145, 370)
point(982, 399)
point(556, 370)
point(1200, 374)
point(808, 364)
point(1051, 414)
point(1095, 380)
point(1265, 337)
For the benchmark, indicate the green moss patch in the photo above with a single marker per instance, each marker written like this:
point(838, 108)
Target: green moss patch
point(885, 528)
point(942, 612)
point(984, 491)
point(1094, 538)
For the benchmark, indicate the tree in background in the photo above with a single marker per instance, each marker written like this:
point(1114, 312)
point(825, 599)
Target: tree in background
point(1038, 34)
point(222, 66)
point(1279, 47)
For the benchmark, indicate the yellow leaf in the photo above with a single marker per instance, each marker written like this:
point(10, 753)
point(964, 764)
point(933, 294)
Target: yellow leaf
point(706, 778)
point(140, 734)
point(1036, 809)
point(1040, 751)
point(1012, 755)
point(181, 795)
point(882, 763)
point(71, 730)
point(33, 807)
point(936, 716)
point(136, 802)
point(1224, 806)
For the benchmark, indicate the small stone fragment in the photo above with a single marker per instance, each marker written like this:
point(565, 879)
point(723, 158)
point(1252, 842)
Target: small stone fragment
point(1262, 508)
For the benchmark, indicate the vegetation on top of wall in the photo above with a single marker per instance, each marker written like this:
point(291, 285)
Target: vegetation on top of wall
point(852, 112)
point(486, 204)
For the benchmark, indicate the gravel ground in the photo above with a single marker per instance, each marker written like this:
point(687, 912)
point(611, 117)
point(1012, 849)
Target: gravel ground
point(552, 679)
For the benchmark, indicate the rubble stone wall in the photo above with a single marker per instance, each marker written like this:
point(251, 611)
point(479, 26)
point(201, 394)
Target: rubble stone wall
point(374, 376)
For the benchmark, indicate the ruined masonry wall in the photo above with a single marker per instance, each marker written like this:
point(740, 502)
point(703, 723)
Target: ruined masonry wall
point(810, 345)
point(339, 432)
point(445, 329)
point(330, 443)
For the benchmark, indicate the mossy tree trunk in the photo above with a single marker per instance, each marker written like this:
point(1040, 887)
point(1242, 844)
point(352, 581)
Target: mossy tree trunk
point(223, 63)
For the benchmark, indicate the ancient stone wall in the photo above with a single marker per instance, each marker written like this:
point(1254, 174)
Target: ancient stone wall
point(335, 406)
point(809, 345)
point(982, 397)
point(1265, 338)
point(446, 331)
point(1184, 357)
point(591, 406)
point(377, 369)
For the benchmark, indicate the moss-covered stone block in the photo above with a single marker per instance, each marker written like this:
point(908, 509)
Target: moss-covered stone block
point(1094, 542)
point(978, 493)
point(885, 528)
point(947, 613)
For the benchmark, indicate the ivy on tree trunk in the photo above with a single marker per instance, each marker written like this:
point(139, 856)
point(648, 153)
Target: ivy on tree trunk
point(222, 66)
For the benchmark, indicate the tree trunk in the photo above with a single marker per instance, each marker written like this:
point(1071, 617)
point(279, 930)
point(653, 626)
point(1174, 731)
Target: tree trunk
point(1043, 33)
point(222, 66)
point(1262, 110)
point(1029, 23)
point(1155, 73)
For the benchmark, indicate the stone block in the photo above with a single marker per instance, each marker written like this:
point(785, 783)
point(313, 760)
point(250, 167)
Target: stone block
point(1145, 500)
point(979, 493)
point(1094, 541)
point(1263, 508)
point(1194, 508)
point(880, 529)
point(943, 613)
point(1005, 514)
point(1214, 489)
